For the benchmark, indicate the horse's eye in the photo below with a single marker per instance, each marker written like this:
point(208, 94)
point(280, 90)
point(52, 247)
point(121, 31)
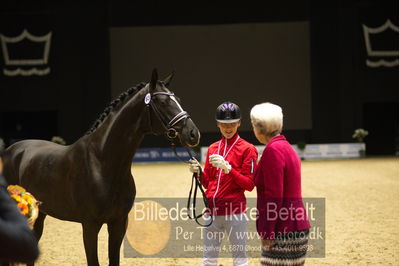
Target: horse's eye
point(165, 101)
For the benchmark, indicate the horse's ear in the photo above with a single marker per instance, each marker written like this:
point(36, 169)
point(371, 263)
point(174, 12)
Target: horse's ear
point(154, 79)
point(168, 79)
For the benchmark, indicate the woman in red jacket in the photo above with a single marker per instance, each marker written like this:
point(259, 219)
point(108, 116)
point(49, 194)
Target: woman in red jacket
point(282, 221)
point(228, 172)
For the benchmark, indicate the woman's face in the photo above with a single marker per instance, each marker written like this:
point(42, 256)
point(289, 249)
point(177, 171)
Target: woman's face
point(228, 130)
point(259, 136)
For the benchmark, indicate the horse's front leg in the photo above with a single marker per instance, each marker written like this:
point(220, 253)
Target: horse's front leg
point(90, 239)
point(116, 232)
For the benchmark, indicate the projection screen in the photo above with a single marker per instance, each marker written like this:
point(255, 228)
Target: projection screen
point(243, 63)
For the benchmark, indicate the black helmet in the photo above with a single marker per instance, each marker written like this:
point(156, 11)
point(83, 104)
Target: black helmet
point(228, 112)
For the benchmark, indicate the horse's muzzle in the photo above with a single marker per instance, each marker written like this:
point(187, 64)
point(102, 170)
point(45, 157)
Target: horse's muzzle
point(190, 135)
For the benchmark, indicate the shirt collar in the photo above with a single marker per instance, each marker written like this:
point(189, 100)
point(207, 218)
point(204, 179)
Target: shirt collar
point(231, 140)
point(277, 138)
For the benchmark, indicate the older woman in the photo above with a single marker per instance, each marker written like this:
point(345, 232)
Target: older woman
point(282, 221)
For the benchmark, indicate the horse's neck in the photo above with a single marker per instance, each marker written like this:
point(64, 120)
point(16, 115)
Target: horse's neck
point(117, 139)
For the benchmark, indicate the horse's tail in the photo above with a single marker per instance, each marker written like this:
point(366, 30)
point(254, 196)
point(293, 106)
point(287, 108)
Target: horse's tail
point(11, 161)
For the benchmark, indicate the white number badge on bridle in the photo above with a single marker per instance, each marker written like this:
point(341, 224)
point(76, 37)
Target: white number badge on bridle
point(147, 98)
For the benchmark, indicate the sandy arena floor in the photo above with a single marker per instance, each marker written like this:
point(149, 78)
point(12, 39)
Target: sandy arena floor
point(362, 203)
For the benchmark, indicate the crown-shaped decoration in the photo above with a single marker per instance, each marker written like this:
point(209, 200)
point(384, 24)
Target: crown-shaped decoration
point(26, 51)
point(382, 56)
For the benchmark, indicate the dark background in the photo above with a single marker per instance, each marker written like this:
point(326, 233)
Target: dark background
point(243, 63)
point(345, 93)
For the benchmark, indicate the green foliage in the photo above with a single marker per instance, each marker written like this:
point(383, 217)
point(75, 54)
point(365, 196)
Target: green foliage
point(301, 145)
point(58, 140)
point(2, 145)
point(359, 134)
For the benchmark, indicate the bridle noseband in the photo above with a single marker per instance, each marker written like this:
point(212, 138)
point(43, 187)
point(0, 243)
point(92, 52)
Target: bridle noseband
point(169, 127)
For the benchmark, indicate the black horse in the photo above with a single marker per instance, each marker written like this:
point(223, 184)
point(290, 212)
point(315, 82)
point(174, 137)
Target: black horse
point(90, 181)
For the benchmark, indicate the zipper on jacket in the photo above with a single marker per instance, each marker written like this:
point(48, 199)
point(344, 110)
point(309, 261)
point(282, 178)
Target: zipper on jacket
point(220, 170)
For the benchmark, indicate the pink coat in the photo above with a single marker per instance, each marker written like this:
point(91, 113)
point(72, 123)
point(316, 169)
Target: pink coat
point(278, 183)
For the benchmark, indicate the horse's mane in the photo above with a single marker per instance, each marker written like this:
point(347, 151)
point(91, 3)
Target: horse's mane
point(111, 106)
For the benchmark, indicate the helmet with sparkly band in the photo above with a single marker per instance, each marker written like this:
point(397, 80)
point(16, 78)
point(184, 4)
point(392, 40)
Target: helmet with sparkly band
point(228, 112)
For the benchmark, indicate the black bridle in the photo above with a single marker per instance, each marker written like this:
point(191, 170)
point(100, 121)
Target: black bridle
point(171, 134)
point(192, 199)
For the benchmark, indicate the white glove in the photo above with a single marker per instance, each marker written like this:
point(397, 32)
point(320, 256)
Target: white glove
point(194, 166)
point(218, 161)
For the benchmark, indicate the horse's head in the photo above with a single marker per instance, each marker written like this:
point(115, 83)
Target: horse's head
point(166, 114)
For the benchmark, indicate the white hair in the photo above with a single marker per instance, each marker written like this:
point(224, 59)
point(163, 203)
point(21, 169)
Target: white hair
point(267, 118)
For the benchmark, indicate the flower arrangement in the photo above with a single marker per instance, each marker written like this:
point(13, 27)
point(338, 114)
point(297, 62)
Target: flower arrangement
point(26, 202)
point(360, 134)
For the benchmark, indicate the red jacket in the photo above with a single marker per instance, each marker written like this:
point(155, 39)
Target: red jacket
point(226, 191)
point(278, 184)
